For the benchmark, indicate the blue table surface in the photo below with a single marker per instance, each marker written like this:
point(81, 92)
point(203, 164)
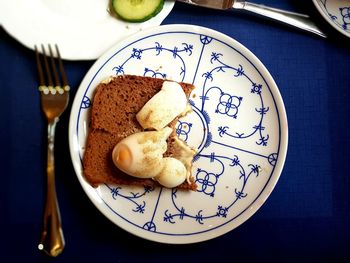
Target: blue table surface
point(307, 216)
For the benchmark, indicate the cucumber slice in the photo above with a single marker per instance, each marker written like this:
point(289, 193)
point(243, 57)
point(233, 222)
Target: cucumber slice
point(137, 10)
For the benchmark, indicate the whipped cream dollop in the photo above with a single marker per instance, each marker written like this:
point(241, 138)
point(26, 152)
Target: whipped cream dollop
point(163, 107)
point(173, 173)
point(141, 155)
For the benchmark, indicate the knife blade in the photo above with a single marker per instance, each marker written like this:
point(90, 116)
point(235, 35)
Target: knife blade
point(300, 21)
point(214, 4)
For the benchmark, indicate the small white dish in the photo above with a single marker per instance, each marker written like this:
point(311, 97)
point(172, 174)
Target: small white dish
point(238, 126)
point(83, 29)
point(337, 14)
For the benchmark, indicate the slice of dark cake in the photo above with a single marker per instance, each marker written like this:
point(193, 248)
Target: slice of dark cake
point(113, 117)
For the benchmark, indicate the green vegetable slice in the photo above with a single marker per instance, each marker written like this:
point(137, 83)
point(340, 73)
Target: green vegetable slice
point(137, 10)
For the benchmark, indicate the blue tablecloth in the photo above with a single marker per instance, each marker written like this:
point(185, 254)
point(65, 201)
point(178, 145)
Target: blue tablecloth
point(307, 216)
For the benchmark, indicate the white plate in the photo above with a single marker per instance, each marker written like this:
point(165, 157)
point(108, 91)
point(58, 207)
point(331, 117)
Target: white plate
point(337, 13)
point(83, 29)
point(238, 126)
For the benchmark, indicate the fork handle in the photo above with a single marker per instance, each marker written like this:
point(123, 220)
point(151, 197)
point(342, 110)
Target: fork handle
point(297, 20)
point(52, 240)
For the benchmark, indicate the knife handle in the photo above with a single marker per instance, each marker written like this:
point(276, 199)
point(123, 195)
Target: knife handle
point(297, 20)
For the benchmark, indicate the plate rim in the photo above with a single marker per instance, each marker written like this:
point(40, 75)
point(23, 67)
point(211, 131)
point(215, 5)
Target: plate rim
point(281, 111)
point(327, 18)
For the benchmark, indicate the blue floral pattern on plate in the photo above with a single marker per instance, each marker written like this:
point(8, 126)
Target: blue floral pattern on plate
point(337, 13)
point(238, 127)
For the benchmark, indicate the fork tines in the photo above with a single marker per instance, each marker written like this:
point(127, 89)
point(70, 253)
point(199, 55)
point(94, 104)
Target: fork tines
point(48, 84)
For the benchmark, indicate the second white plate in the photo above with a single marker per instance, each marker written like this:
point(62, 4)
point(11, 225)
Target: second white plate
point(238, 126)
point(83, 29)
point(337, 14)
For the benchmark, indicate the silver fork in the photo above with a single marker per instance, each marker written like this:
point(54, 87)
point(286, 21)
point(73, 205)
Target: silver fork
point(54, 98)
